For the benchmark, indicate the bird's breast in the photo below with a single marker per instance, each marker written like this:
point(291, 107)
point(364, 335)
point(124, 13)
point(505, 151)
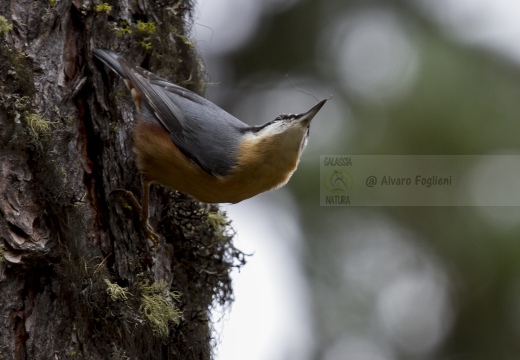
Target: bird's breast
point(259, 167)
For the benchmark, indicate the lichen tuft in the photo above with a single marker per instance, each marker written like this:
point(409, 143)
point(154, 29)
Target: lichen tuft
point(5, 27)
point(116, 292)
point(157, 306)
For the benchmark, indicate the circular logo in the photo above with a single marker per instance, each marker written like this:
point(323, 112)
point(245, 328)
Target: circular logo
point(338, 181)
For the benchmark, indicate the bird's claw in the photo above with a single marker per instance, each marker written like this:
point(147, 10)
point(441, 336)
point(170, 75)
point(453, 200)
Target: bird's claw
point(146, 227)
point(150, 234)
point(128, 195)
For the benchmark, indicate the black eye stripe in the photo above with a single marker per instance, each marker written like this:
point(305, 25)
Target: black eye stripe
point(286, 117)
point(279, 119)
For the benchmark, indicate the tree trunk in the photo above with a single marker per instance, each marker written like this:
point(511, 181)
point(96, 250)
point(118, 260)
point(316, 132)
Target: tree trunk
point(78, 278)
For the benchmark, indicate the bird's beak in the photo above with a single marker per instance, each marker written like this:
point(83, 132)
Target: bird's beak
point(306, 118)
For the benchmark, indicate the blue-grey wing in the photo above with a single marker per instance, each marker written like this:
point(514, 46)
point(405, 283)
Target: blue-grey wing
point(204, 132)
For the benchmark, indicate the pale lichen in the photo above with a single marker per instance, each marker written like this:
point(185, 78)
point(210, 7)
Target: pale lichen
point(218, 222)
point(37, 124)
point(116, 292)
point(5, 27)
point(157, 306)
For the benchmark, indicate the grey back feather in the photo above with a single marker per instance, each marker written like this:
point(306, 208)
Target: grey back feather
point(204, 132)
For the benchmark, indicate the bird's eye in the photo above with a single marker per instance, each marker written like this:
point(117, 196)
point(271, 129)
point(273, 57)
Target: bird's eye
point(286, 117)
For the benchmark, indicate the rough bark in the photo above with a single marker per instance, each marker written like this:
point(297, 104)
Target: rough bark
point(78, 279)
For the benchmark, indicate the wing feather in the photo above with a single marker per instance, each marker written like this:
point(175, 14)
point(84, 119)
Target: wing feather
point(204, 132)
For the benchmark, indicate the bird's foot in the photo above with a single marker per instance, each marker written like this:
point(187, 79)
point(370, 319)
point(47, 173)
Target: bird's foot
point(129, 196)
point(150, 233)
point(133, 203)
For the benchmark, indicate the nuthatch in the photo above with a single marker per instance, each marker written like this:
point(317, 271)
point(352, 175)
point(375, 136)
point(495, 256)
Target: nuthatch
point(189, 144)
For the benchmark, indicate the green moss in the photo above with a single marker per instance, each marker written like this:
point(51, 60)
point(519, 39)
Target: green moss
point(2, 250)
point(147, 27)
point(5, 27)
point(36, 123)
point(157, 307)
point(103, 7)
point(125, 204)
point(16, 74)
point(123, 29)
point(146, 45)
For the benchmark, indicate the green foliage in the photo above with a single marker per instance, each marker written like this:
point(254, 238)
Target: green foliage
point(463, 100)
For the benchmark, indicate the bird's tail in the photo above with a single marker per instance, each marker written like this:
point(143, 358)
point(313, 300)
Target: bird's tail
point(111, 59)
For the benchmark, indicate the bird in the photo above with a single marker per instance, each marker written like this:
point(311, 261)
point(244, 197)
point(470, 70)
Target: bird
point(187, 143)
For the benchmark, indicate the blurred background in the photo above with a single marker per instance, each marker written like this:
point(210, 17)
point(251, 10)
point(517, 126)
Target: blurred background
point(371, 283)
